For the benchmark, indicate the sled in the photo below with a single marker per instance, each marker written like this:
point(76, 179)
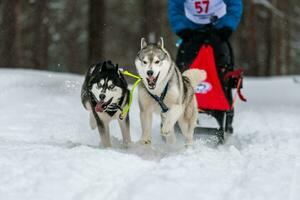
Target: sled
point(214, 94)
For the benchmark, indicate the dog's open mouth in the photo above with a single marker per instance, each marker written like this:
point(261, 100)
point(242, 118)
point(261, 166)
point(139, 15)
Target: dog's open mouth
point(152, 81)
point(102, 105)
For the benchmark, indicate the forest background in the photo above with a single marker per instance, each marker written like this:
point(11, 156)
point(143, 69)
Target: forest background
point(69, 35)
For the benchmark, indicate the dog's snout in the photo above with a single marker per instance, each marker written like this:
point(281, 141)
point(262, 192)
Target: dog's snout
point(102, 96)
point(150, 72)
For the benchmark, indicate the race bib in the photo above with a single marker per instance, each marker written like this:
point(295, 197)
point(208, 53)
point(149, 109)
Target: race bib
point(203, 11)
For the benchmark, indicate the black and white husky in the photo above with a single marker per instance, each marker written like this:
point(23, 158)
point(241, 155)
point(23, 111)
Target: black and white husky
point(104, 93)
point(166, 91)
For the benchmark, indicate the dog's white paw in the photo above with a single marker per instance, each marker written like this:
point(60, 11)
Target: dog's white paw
point(166, 128)
point(127, 144)
point(189, 141)
point(188, 144)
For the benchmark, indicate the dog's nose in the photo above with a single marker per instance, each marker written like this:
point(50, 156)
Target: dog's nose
point(150, 72)
point(102, 96)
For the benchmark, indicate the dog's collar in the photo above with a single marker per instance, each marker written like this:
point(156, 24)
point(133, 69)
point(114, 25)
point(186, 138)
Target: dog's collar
point(160, 100)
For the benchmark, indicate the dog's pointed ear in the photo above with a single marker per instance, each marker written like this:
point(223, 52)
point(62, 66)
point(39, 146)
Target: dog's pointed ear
point(143, 43)
point(91, 69)
point(111, 66)
point(160, 43)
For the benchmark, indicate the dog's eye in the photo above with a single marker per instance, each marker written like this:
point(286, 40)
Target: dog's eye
point(111, 87)
point(145, 62)
point(99, 85)
point(157, 62)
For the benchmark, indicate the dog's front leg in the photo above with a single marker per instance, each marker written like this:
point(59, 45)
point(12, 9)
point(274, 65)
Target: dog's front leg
point(93, 123)
point(103, 128)
point(146, 122)
point(104, 135)
point(170, 118)
point(125, 129)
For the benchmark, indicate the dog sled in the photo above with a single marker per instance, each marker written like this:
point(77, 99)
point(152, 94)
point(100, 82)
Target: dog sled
point(214, 95)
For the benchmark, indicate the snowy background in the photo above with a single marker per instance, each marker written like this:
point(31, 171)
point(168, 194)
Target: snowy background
point(47, 150)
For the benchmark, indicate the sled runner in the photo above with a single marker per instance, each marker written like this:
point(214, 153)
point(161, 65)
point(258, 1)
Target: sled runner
point(214, 95)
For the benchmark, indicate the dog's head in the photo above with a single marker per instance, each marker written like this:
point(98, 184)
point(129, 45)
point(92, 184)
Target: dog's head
point(153, 63)
point(106, 86)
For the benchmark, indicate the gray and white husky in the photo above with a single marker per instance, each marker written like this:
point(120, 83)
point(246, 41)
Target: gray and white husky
point(166, 91)
point(104, 93)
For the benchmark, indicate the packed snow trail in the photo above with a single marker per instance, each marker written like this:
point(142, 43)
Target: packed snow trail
point(47, 150)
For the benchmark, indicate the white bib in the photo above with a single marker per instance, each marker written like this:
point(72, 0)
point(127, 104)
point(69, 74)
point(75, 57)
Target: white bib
point(202, 11)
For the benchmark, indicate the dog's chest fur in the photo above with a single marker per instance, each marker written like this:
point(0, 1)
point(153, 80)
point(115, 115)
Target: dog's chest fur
point(180, 92)
point(107, 118)
point(148, 102)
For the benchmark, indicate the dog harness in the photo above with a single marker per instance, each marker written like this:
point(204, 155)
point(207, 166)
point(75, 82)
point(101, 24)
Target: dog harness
point(126, 109)
point(160, 100)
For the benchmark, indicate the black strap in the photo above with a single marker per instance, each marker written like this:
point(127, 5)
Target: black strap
point(160, 100)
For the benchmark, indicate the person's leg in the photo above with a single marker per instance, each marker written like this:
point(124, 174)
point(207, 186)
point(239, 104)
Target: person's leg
point(186, 54)
point(225, 63)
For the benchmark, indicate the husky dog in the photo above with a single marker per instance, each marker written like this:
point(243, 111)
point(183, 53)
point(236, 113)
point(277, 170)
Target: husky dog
point(104, 93)
point(166, 91)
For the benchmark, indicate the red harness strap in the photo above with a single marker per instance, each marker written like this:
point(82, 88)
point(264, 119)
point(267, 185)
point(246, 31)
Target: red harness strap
point(238, 74)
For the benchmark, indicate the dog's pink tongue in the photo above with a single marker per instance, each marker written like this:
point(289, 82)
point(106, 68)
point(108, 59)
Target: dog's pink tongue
point(151, 79)
point(99, 107)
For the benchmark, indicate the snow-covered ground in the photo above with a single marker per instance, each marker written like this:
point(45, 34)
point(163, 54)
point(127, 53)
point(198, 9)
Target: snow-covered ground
point(47, 150)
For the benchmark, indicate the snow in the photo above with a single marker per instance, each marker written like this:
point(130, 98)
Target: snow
point(47, 150)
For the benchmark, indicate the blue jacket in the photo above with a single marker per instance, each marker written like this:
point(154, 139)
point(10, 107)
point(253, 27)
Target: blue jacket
point(179, 21)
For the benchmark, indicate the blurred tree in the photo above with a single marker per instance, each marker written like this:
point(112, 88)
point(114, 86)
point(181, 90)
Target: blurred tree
point(247, 40)
point(123, 30)
point(151, 12)
point(73, 28)
point(68, 35)
point(166, 32)
point(10, 34)
point(287, 28)
point(40, 35)
point(97, 15)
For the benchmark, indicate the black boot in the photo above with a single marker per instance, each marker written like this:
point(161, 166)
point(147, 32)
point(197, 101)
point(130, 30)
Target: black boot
point(229, 120)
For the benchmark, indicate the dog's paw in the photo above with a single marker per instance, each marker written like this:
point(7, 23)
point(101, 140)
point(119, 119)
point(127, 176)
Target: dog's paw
point(166, 128)
point(145, 141)
point(127, 144)
point(189, 144)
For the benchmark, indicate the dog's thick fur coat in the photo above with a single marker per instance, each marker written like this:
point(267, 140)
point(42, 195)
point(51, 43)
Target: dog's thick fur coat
point(159, 71)
point(104, 94)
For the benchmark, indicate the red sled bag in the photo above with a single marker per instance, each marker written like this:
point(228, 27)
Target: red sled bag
point(209, 94)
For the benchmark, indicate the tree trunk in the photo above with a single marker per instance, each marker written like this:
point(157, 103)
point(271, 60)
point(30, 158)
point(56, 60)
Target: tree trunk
point(269, 52)
point(10, 44)
point(287, 34)
point(252, 41)
point(151, 12)
point(70, 36)
point(278, 43)
point(166, 30)
point(40, 35)
point(96, 30)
